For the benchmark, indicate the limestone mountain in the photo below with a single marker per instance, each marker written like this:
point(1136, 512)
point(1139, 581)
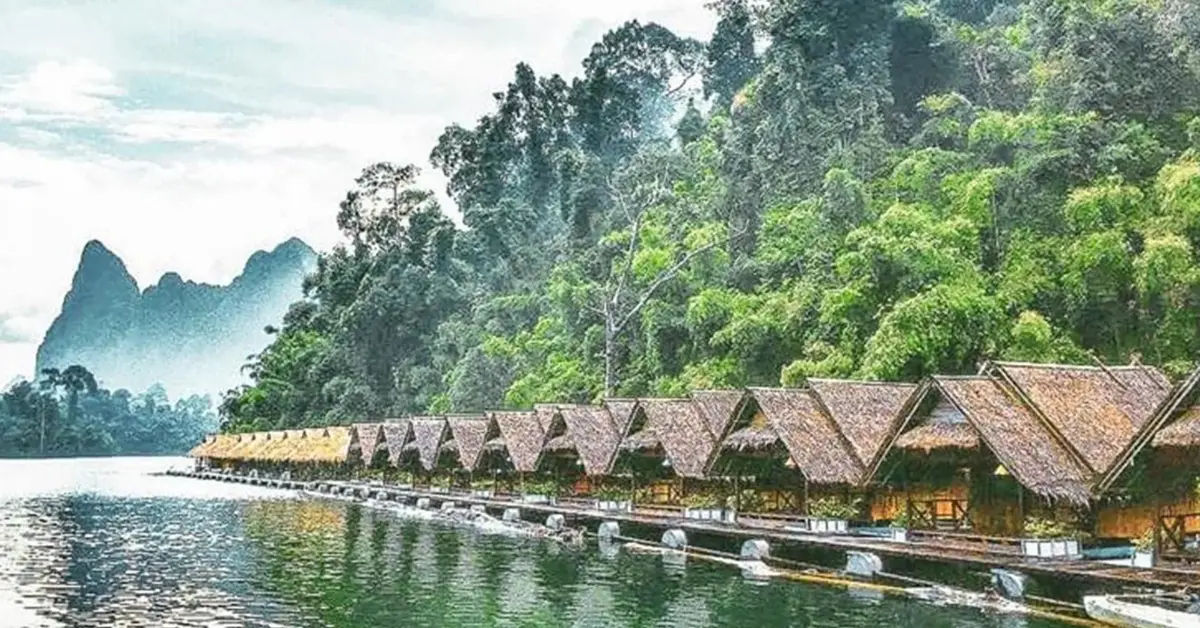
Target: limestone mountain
point(190, 337)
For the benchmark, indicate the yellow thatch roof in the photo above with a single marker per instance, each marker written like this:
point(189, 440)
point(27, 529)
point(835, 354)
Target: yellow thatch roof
point(323, 445)
point(201, 450)
point(276, 447)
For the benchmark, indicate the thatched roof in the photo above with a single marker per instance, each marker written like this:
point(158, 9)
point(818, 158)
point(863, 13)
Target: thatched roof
point(368, 436)
point(622, 411)
point(1018, 439)
point(866, 413)
point(931, 436)
point(396, 433)
point(523, 438)
point(1094, 411)
point(245, 445)
point(822, 453)
point(643, 440)
point(202, 449)
point(428, 434)
point(546, 414)
point(593, 435)
point(330, 445)
point(222, 445)
point(469, 434)
point(276, 449)
point(1183, 433)
point(683, 433)
point(1181, 416)
point(718, 407)
point(751, 438)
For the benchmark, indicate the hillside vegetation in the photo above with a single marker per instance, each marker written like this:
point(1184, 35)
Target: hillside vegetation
point(875, 190)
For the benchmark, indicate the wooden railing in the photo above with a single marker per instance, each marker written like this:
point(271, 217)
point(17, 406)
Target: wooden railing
point(939, 514)
point(1173, 531)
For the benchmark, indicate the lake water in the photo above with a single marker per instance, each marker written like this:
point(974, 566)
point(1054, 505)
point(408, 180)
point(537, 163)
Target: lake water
point(103, 543)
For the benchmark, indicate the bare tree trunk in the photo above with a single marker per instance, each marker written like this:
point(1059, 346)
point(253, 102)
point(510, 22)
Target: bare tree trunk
point(610, 353)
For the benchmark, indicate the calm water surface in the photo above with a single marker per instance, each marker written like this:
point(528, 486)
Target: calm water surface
point(103, 543)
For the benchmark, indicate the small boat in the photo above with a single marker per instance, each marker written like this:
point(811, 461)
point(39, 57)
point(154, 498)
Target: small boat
point(1143, 611)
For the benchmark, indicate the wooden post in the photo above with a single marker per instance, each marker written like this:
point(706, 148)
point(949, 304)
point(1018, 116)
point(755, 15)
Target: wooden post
point(1020, 509)
point(737, 494)
point(805, 507)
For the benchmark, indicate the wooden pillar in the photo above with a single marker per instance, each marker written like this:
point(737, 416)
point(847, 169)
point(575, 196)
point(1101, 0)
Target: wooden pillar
point(1154, 481)
point(805, 506)
point(1021, 509)
point(737, 494)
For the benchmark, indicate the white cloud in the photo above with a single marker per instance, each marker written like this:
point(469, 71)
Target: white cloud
point(75, 87)
point(186, 135)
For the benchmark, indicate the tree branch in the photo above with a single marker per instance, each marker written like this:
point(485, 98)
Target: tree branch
point(663, 278)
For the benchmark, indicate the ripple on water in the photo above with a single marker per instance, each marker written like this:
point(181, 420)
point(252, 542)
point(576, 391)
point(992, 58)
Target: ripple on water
point(101, 543)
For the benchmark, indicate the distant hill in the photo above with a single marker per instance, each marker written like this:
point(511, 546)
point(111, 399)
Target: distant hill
point(190, 337)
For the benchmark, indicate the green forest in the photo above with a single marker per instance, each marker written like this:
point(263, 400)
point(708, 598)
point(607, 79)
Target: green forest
point(834, 188)
point(66, 413)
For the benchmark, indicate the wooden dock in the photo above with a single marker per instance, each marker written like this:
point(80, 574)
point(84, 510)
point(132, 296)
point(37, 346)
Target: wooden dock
point(970, 551)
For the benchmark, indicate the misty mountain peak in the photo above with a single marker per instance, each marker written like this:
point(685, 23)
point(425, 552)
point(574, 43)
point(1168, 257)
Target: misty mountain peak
point(191, 337)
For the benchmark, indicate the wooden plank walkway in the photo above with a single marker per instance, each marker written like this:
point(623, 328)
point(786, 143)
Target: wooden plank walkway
point(923, 545)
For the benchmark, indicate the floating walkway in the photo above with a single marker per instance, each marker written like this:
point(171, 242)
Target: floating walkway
point(866, 554)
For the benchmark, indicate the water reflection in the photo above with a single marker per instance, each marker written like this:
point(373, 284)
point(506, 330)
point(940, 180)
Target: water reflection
point(100, 543)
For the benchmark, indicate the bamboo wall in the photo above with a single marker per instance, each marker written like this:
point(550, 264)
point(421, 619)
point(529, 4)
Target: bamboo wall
point(1131, 522)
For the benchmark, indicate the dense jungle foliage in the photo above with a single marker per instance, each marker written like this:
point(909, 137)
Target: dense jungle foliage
point(65, 413)
point(838, 188)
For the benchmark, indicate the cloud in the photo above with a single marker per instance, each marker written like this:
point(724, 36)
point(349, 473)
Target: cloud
point(75, 87)
point(186, 135)
point(12, 331)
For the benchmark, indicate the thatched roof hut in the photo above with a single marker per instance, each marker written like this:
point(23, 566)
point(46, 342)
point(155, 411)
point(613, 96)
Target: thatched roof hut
point(428, 435)
point(718, 407)
point(970, 412)
point(1094, 411)
point(593, 436)
point(1174, 425)
point(815, 442)
point(276, 448)
point(468, 435)
point(396, 434)
point(675, 429)
point(521, 436)
point(368, 442)
point(245, 445)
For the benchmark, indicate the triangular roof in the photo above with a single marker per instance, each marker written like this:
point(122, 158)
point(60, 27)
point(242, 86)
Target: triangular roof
point(683, 433)
point(523, 438)
point(470, 435)
point(202, 449)
point(428, 434)
point(368, 436)
point(1094, 411)
point(866, 413)
point(621, 411)
point(594, 436)
point(718, 408)
point(397, 433)
point(821, 452)
point(1176, 423)
point(1020, 441)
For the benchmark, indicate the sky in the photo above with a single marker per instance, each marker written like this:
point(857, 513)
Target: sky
point(188, 134)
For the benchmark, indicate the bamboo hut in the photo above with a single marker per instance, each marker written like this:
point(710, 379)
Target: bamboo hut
point(790, 445)
point(201, 454)
point(420, 455)
point(460, 453)
point(396, 434)
point(369, 447)
point(581, 442)
point(514, 447)
point(1151, 487)
point(667, 443)
point(967, 454)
